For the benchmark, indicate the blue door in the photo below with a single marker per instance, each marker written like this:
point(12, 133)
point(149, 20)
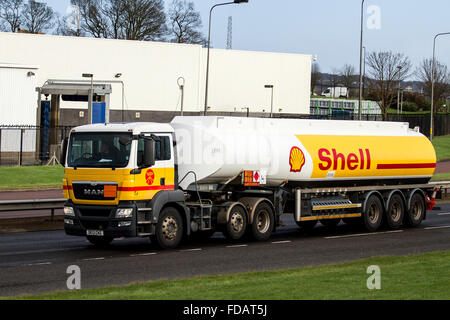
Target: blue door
point(98, 112)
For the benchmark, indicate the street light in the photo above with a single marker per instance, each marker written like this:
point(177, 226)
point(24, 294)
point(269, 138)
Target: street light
point(433, 71)
point(180, 82)
point(360, 61)
point(270, 86)
point(209, 43)
point(91, 94)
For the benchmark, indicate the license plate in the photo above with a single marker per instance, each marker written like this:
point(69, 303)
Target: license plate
point(97, 233)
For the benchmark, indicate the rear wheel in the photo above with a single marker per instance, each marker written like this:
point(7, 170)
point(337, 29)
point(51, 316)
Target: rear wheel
point(373, 213)
point(416, 211)
point(236, 224)
point(263, 222)
point(395, 212)
point(169, 230)
point(100, 241)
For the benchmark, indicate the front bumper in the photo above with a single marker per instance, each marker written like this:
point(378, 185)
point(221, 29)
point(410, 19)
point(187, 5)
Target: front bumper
point(98, 217)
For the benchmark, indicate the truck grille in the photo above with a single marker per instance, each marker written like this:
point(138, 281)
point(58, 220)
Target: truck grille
point(91, 191)
point(95, 212)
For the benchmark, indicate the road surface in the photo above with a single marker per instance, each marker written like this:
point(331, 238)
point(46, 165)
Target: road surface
point(36, 262)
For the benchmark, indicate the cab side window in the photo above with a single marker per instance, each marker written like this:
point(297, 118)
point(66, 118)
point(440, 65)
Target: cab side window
point(162, 147)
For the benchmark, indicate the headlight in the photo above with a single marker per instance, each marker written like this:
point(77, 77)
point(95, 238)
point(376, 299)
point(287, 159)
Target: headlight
point(68, 211)
point(124, 213)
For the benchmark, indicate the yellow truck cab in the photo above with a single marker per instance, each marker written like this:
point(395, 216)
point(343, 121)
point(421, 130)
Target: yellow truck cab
point(112, 174)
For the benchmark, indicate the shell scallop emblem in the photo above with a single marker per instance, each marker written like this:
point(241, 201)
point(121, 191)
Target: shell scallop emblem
point(150, 177)
point(296, 159)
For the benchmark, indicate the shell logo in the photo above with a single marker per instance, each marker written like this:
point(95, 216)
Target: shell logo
point(296, 159)
point(149, 176)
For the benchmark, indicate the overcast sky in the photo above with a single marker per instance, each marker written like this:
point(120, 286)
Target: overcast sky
point(329, 29)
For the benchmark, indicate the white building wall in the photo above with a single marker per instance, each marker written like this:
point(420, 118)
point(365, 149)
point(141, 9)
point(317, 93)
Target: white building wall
point(150, 71)
point(18, 98)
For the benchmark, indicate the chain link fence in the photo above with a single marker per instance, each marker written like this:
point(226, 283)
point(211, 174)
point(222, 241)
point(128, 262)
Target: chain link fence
point(30, 145)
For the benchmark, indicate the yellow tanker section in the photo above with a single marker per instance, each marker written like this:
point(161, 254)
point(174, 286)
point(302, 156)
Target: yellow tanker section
point(369, 156)
point(130, 187)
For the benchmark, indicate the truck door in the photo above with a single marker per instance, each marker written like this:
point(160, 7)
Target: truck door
point(161, 176)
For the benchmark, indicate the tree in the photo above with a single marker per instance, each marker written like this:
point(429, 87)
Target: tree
point(185, 23)
point(347, 74)
point(37, 17)
point(10, 14)
point(122, 19)
point(386, 71)
point(315, 76)
point(441, 79)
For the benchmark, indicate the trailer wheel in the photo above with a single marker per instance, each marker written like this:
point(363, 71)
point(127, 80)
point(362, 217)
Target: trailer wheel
point(263, 222)
point(416, 211)
point(373, 213)
point(236, 224)
point(169, 229)
point(395, 212)
point(100, 241)
point(306, 225)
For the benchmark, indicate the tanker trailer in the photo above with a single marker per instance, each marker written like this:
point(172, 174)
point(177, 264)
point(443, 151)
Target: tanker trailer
point(199, 175)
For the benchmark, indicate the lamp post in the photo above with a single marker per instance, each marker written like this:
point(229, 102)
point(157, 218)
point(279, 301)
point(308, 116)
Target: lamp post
point(433, 71)
point(270, 86)
point(91, 94)
point(181, 82)
point(209, 43)
point(361, 61)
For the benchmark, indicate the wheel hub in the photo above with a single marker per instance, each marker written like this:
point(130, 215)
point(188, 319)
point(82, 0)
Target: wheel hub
point(169, 228)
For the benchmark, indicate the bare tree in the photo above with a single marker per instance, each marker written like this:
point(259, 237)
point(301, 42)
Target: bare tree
point(315, 76)
point(386, 71)
point(37, 16)
point(122, 19)
point(185, 23)
point(11, 14)
point(441, 79)
point(347, 74)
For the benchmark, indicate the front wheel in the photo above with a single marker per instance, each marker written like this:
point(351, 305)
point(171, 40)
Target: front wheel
point(169, 230)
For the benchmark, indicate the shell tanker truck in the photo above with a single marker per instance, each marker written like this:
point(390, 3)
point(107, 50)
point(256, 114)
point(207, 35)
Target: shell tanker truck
point(198, 175)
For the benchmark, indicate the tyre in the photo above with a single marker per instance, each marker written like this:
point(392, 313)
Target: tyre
point(373, 213)
point(100, 241)
point(416, 212)
point(306, 225)
point(169, 229)
point(395, 212)
point(330, 223)
point(263, 222)
point(236, 224)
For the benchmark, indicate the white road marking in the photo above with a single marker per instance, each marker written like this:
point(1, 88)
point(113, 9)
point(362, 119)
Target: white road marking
point(437, 227)
point(188, 250)
point(143, 254)
point(93, 259)
point(39, 264)
point(238, 246)
point(282, 241)
point(444, 214)
point(363, 234)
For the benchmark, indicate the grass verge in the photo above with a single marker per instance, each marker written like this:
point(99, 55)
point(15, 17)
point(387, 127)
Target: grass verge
point(442, 146)
point(425, 276)
point(445, 176)
point(16, 178)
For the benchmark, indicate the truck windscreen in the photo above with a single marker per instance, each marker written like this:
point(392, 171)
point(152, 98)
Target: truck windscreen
point(99, 150)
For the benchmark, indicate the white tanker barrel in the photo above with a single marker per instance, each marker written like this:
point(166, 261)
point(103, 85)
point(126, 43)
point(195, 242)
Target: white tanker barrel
point(301, 152)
